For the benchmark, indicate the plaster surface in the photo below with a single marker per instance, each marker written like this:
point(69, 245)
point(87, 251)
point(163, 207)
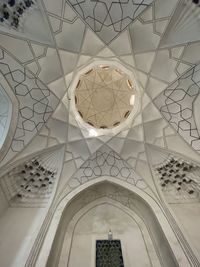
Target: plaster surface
point(95, 224)
point(18, 230)
point(188, 217)
point(159, 229)
point(3, 203)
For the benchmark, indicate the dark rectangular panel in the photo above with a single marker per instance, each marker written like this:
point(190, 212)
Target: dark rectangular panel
point(109, 253)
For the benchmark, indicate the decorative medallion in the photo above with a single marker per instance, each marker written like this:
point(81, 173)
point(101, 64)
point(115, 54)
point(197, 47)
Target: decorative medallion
point(104, 97)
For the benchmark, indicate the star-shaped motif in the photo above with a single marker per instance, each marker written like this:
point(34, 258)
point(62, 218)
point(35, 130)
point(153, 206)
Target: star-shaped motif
point(103, 97)
point(109, 18)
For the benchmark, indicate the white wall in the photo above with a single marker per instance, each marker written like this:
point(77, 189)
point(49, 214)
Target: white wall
point(18, 229)
point(95, 224)
point(3, 203)
point(188, 215)
point(56, 246)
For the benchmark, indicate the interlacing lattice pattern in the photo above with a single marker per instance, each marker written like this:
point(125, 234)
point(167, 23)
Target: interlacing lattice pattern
point(109, 18)
point(179, 180)
point(106, 162)
point(36, 101)
point(103, 97)
point(176, 105)
point(109, 253)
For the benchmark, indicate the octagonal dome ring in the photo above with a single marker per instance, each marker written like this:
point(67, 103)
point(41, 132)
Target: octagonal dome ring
point(104, 98)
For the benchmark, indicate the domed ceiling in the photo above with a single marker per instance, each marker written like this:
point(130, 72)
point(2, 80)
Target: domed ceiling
point(57, 39)
point(104, 97)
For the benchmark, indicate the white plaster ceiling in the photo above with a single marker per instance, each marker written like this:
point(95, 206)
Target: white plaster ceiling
point(165, 65)
point(108, 18)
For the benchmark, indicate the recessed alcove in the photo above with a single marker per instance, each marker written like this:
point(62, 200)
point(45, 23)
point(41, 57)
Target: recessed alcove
point(146, 239)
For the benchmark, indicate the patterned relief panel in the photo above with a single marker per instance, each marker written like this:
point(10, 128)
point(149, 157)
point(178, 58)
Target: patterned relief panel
point(176, 103)
point(36, 101)
point(108, 18)
point(109, 253)
point(106, 162)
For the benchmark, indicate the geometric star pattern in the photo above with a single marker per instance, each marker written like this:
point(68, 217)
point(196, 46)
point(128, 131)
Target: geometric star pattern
point(103, 97)
point(36, 101)
point(109, 18)
point(71, 46)
point(106, 162)
point(176, 103)
point(56, 64)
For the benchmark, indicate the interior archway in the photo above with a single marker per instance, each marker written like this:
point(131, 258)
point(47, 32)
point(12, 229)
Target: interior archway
point(160, 232)
point(93, 223)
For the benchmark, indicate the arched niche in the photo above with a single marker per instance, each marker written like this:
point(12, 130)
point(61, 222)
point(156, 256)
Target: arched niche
point(166, 245)
point(92, 223)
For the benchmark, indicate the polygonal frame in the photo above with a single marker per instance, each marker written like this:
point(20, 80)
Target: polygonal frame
point(136, 107)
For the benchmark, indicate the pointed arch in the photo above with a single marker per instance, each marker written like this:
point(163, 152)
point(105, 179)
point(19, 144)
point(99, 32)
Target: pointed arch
point(149, 209)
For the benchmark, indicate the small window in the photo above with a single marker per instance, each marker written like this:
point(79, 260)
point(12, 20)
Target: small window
point(109, 253)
